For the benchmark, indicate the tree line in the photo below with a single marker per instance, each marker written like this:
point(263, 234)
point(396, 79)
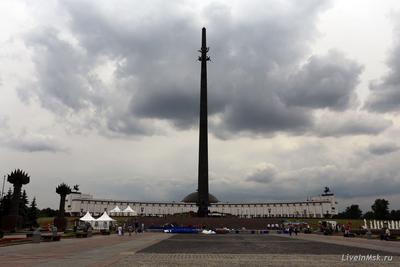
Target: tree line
point(16, 211)
point(28, 211)
point(379, 211)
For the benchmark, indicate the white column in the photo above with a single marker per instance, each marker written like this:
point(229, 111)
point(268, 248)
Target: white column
point(370, 225)
point(375, 225)
point(365, 224)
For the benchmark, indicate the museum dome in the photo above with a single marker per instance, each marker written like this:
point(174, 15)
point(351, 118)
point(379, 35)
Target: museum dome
point(193, 197)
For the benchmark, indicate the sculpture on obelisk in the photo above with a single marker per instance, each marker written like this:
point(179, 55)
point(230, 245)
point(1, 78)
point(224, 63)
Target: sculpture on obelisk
point(203, 201)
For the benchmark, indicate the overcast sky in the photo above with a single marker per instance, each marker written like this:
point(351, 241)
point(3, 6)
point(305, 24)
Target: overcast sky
point(105, 94)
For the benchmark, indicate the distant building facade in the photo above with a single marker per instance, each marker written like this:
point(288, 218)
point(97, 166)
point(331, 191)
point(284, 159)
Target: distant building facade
point(315, 207)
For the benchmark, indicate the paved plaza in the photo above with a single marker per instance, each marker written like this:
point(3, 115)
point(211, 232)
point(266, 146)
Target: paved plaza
point(159, 249)
point(249, 244)
point(94, 251)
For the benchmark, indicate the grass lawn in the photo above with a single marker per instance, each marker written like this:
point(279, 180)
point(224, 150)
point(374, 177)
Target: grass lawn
point(44, 221)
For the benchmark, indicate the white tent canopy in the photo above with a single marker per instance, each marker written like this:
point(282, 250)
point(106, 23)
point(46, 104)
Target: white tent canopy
point(129, 211)
point(87, 217)
point(116, 209)
point(105, 218)
point(103, 222)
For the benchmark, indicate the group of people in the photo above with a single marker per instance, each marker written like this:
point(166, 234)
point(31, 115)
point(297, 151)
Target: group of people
point(293, 229)
point(135, 227)
point(52, 229)
point(86, 227)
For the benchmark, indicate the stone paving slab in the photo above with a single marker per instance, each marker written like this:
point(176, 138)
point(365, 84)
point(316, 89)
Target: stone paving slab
point(94, 251)
point(217, 260)
point(375, 244)
point(253, 244)
point(226, 250)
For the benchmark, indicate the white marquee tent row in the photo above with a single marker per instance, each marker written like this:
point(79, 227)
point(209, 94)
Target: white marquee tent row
point(103, 222)
point(126, 212)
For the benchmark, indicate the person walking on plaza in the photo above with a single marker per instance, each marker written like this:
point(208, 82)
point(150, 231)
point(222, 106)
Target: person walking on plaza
point(120, 230)
point(130, 229)
point(136, 227)
point(54, 231)
point(290, 230)
point(387, 234)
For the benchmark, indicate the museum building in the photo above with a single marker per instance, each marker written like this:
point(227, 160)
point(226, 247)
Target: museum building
point(315, 207)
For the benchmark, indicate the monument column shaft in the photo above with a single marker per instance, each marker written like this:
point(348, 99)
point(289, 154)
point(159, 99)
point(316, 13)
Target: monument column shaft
point(203, 201)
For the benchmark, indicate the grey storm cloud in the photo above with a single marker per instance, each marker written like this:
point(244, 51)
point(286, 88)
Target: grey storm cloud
point(163, 190)
point(369, 179)
point(378, 178)
point(35, 145)
point(384, 97)
point(178, 106)
point(385, 93)
point(26, 141)
point(383, 148)
point(350, 123)
point(249, 115)
point(264, 175)
point(324, 82)
point(63, 72)
point(257, 83)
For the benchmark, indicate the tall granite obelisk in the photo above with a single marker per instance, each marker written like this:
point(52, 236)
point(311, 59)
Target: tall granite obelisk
point(203, 201)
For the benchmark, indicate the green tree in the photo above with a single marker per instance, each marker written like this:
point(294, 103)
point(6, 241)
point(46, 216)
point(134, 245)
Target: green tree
point(351, 212)
point(5, 205)
point(381, 209)
point(17, 178)
point(63, 190)
point(395, 215)
point(32, 213)
point(47, 212)
point(23, 205)
point(6, 202)
point(369, 215)
point(354, 212)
